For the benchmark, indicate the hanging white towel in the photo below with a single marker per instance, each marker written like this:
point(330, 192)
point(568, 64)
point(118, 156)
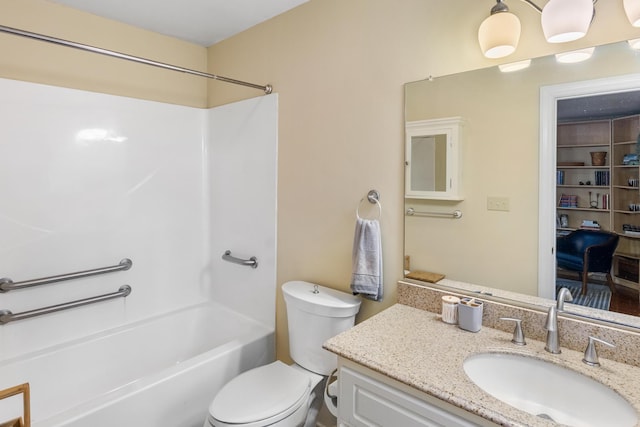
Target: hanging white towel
point(366, 278)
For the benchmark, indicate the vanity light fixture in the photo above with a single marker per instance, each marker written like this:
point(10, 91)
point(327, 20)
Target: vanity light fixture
point(499, 33)
point(514, 66)
point(575, 55)
point(562, 21)
point(566, 20)
point(632, 9)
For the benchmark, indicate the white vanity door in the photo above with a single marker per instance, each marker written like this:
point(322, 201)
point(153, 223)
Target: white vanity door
point(366, 402)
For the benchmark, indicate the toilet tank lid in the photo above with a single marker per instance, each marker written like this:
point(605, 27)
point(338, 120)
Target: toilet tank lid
point(326, 302)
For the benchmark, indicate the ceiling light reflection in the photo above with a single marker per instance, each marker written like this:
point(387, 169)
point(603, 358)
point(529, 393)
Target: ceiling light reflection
point(91, 136)
point(514, 66)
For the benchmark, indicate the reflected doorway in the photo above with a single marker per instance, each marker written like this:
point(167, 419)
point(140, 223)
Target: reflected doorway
point(595, 100)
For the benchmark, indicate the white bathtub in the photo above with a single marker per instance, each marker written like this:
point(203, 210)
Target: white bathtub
point(158, 372)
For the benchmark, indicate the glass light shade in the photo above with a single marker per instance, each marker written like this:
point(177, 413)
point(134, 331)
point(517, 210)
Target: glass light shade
point(575, 55)
point(514, 66)
point(632, 9)
point(499, 35)
point(566, 20)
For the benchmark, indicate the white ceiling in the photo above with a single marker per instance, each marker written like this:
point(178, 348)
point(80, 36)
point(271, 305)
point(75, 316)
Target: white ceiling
point(204, 22)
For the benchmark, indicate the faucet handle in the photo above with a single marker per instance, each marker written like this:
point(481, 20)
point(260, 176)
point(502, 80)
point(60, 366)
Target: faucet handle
point(590, 354)
point(518, 335)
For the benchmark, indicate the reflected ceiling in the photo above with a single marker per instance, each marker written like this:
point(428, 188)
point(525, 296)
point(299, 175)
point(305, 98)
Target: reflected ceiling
point(599, 107)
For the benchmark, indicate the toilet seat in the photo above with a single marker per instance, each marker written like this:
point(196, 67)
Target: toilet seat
point(260, 396)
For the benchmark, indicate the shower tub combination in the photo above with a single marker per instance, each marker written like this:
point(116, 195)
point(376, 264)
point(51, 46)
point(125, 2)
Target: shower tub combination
point(162, 371)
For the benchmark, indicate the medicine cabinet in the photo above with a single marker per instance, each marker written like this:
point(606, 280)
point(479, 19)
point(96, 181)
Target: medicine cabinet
point(433, 168)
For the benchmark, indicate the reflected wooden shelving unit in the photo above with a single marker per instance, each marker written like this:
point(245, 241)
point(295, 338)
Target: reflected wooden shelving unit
point(586, 186)
point(609, 193)
point(626, 212)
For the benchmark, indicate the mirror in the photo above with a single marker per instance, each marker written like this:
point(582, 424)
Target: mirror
point(427, 159)
point(432, 159)
point(496, 242)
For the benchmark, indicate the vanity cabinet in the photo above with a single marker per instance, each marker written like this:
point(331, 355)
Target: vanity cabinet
point(606, 193)
point(367, 398)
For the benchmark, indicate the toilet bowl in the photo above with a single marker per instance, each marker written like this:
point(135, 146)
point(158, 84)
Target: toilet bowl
point(289, 395)
point(272, 395)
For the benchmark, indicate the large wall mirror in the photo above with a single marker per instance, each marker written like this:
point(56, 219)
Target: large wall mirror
point(509, 149)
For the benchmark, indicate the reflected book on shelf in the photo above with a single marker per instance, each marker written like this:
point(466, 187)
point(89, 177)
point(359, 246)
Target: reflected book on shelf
point(602, 178)
point(568, 201)
point(588, 224)
point(630, 159)
point(631, 230)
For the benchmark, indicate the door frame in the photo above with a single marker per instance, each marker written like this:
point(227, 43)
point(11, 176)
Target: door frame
point(549, 97)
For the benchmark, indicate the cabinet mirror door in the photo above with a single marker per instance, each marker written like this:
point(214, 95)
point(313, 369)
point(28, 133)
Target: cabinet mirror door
point(433, 169)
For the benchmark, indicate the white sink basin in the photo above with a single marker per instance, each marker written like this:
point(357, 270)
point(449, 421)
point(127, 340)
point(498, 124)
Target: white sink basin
point(550, 391)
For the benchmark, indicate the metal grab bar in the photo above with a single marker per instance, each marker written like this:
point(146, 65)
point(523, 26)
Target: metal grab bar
point(251, 262)
point(7, 316)
point(7, 284)
point(455, 214)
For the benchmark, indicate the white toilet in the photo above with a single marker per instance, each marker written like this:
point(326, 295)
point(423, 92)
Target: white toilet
point(278, 394)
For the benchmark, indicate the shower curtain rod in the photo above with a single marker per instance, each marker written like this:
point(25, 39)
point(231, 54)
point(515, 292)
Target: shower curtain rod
point(15, 31)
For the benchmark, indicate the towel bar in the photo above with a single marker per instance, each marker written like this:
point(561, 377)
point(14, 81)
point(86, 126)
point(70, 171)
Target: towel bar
point(455, 214)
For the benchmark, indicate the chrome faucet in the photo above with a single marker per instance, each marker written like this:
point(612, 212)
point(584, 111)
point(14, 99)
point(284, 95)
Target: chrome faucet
point(563, 295)
point(551, 325)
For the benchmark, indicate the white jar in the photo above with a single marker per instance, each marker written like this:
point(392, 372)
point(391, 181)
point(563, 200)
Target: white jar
point(450, 309)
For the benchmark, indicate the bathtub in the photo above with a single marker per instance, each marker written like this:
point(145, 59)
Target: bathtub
point(162, 371)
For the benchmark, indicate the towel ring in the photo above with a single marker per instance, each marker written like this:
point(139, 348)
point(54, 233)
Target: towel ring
point(374, 198)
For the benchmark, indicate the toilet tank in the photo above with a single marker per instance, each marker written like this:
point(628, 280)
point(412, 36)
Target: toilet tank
point(315, 314)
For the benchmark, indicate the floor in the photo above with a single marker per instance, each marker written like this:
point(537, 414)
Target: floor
point(624, 300)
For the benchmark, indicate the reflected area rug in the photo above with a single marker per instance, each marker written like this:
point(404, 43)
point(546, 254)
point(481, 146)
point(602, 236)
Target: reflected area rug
point(598, 296)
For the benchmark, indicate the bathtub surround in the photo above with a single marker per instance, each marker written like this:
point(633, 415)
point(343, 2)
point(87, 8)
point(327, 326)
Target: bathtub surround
point(242, 197)
point(89, 179)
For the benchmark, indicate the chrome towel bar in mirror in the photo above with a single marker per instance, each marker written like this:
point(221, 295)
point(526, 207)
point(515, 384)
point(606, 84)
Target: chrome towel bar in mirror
point(457, 214)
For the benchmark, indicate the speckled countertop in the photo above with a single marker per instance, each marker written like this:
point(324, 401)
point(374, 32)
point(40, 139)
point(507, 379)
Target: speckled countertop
point(415, 347)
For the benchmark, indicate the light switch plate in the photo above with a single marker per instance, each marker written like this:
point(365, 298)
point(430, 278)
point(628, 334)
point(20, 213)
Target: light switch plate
point(498, 204)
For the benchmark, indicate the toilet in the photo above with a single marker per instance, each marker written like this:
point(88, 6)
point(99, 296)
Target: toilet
point(289, 395)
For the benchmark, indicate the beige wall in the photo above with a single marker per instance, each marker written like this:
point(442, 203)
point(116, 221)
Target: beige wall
point(339, 67)
point(39, 62)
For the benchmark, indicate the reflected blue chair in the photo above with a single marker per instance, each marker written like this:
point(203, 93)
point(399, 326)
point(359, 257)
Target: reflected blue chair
point(587, 251)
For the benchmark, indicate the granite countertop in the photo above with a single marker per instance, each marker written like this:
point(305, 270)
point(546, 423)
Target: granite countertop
point(415, 347)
